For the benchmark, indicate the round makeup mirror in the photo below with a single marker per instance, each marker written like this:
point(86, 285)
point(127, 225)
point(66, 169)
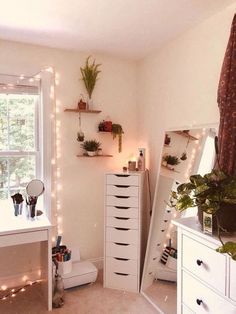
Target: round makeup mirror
point(35, 188)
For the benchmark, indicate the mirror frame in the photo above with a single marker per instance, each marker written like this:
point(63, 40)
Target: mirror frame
point(148, 247)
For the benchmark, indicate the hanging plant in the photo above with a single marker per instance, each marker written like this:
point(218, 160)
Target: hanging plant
point(90, 75)
point(117, 131)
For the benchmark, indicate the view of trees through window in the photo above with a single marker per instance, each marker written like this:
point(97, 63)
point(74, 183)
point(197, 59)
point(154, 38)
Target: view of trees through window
point(18, 142)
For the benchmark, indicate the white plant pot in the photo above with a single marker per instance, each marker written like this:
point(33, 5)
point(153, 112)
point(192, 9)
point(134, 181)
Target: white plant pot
point(91, 154)
point(171, 167)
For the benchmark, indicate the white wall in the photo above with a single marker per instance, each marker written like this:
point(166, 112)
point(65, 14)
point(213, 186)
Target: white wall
point(178, 85)
point(81, 197)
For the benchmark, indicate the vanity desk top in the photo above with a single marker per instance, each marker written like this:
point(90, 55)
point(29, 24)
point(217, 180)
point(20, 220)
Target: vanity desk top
point(10, 224)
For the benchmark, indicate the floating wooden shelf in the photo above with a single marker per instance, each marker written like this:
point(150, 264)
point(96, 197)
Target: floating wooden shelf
point(96, 156)
point(82, 111)
point(192, 138)
point(165, 167)
point(108, 132)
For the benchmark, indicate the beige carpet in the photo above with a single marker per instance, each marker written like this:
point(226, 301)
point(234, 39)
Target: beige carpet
point(89, 299)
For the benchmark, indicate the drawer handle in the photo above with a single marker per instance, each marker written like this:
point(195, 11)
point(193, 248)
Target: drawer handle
point(123, 229)
point(122, 218)
point(121, 274)
point(122, 175)
point(199, 262)
point(121, 207)
point(199, 302)
point(124, 244)
point(122, 186)
point(119, 196)
point(121, 259)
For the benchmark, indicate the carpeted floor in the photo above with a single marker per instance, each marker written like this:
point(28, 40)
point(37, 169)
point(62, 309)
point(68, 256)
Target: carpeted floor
point(88, 299)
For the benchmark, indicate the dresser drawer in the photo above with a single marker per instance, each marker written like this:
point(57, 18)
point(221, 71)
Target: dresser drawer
point(120, 235)
point(201, 299)
point(121, 265)
point(122, 250)
point(122, 179)
point(126, 201)
point(186, 310)
point(119, 211)
point(121, 222)
point(121, 281)
point(123, 190)
point(232, 288)
point(201, 261)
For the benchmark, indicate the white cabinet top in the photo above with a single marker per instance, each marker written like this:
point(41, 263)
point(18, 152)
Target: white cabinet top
point(10, 224)
point(192, 225)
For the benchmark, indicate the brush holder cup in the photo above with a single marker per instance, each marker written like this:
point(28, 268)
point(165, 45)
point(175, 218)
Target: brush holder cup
point(31, 212)
point(18, 209)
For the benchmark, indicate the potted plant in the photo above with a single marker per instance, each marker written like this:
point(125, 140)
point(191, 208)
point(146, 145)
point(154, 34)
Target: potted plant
point(91, 147)
point(171, 161)
point(213, 193)
point(117, 131)
point(90, 76)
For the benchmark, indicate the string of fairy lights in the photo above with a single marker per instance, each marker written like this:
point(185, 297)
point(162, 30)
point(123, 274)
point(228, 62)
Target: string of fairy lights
point(12, 293)
point(56, 186)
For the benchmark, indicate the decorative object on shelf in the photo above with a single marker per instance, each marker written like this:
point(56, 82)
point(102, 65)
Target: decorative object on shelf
point(101, 126)
point(171, 161)
point(91, 147)
point(141, 160)
point(89, 76)
point(117, 131)
point(107, 126)
point(81, 103)
point(131, 165)
point(167, 139)
point(80, 133)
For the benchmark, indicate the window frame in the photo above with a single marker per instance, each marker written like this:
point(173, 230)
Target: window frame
point(37, 143)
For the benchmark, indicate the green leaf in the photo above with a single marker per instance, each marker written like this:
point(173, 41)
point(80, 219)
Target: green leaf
point(184, 202)
point(197, 180)
point(229, 248)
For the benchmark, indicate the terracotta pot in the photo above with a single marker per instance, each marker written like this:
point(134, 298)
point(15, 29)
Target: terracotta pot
point(226, 216)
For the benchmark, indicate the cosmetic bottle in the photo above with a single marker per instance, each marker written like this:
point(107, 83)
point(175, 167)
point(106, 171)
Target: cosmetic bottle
point(141, 161)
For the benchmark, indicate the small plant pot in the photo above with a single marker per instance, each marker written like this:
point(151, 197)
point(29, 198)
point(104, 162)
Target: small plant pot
point(171, 167)
point(91, 154)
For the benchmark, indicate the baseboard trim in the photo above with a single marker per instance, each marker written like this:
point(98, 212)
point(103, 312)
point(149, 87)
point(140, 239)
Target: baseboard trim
point(98, 262)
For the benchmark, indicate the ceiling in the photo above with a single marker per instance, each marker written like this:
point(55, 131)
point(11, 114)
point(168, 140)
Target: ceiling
point(125, 28)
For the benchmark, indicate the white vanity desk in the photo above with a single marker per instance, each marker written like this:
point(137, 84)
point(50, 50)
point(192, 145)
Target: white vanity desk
point(206, 278)
point(19, 230)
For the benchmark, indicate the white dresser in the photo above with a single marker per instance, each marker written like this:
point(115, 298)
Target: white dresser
point(206, 278)
point(125, 235)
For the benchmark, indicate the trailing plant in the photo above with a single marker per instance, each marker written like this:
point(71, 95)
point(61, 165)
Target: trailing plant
point(90, 75)
point(91, 145)
point(171, 160)
point(117, 131)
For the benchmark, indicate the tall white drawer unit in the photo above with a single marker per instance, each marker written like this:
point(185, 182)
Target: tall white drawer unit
point(125, 230)
point(206, 278)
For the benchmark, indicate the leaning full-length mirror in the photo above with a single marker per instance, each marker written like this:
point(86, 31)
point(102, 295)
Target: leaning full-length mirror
point(185, 152)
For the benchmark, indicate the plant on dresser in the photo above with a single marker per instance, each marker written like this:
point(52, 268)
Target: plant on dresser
point(215, 194)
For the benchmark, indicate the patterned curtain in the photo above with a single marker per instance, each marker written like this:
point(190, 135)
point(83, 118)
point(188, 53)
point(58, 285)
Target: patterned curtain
point(227, 106)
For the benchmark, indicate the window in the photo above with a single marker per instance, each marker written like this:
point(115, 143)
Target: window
point(19, 145)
